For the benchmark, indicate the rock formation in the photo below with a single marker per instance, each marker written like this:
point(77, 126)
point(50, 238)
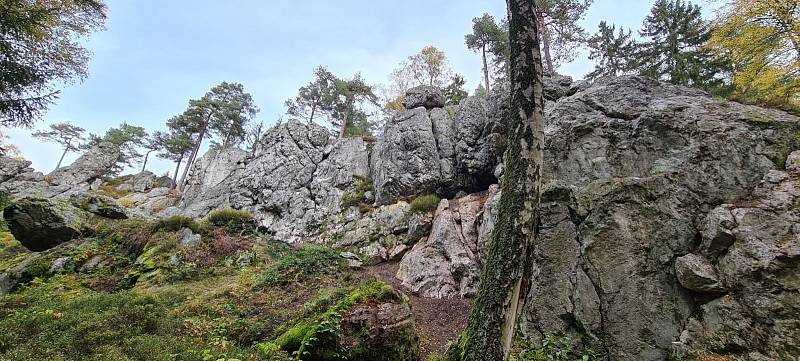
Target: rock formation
point(669, 224)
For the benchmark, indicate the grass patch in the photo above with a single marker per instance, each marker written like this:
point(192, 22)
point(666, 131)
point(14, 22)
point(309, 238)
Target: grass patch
point(424, 204)
point(357, 197)
point(75, 323)
point(234, 219)
point(308, 262)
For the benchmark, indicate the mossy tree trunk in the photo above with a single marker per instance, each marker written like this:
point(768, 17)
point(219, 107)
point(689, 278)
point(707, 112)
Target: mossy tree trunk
point(506, 274)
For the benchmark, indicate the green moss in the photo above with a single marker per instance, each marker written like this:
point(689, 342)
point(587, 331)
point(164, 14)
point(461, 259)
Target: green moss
point(318, 338)
point(761, 120)
point(424, 204)
point(554, 192)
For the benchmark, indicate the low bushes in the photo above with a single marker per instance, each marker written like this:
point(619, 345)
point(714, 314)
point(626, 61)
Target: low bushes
point(307, 262)
point(424, 204)
point(234, 219)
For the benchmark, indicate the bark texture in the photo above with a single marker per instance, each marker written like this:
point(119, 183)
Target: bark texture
point(504, 286)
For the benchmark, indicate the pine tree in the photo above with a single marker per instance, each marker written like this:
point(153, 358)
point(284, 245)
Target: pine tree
point(455, 93)
point(611, 50)
point(223, 111)
point(314, 100)
point(68, 136)
point(559, 32)
point(486, 37)
point(674, 49)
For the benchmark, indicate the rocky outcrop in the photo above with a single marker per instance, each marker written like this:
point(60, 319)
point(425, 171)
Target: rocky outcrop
point(445, 264)
point(380, 331)
point(93, 164)
point(40, 224)
point(405, 160)
point(752, 311)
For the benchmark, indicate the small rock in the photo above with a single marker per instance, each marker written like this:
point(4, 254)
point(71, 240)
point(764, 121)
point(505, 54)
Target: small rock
point(716, 232)
point(397, 252)
point(92, 264)
point(696, 273)
point(58, 265)
point(373, 254)
point(187, 238)
point(793, 162)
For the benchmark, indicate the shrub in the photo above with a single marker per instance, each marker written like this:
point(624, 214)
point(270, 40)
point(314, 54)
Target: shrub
point(176, 223)
point(318, 338)
point(357, 198)
point(307, 262)
point(232, 218)
point(424, 204)
point(216, 247)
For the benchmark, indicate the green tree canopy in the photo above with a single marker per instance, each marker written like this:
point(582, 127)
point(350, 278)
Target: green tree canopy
point(674, 48)
point(41, 45)
point(559, 31)
point(314, 100)
point(454, 93)
point(488, 38)
point(612, 51)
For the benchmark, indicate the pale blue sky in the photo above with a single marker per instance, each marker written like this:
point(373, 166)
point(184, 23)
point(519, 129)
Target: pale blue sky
point(156, 55)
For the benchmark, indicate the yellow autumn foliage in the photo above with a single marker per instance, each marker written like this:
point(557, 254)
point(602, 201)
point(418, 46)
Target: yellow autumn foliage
point(761, 39)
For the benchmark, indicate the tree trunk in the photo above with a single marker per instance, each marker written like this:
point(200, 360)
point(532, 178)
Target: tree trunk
point(485, 69)
point(193, 155)
point(62, 157)
point(146, 155)
point(506, 274)
point(313, 110)
point(346, 121)
point(545, 41)
point(177, 167)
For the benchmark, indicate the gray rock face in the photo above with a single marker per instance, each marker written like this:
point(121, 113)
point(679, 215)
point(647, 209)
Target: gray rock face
point(40, 224)
point(480, 141)
point(93, 164)
point(445, 265)
point(100, 205)
point(428, 97)
point(758, 317)
point(209, 183)
point(405, 160)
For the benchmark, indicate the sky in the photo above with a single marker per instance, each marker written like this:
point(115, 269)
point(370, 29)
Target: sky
point(155, 55)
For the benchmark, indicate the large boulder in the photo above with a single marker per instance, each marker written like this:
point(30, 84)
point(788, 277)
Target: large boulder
point(424, 96)
point(405, 160)
point(445, 264)
point(209, 182)
point(40, 224)
point(632, 248)
point(99, 205)
point(758, 317)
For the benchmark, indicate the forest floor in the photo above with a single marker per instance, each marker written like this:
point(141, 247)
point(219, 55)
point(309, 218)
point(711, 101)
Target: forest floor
point(439, 321)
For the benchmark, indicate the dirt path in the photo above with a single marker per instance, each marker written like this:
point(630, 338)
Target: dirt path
point(438, 321)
